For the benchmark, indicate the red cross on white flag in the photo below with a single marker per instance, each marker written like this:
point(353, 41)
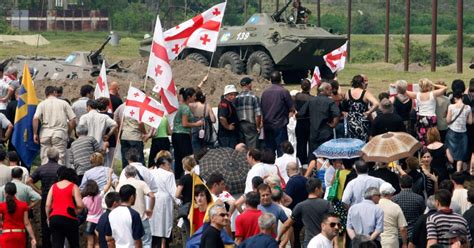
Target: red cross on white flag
point(102, 88)
point(159, 70)
point(142, 108)
point(336, 59)
point(200, 32)
point(316, 80)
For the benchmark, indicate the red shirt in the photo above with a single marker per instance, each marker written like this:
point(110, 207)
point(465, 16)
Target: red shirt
point(63, 204)
point(15, 220)
point(198, 219)
point(246, 224)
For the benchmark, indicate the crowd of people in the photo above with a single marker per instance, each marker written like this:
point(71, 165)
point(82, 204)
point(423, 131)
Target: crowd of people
point(421, 201)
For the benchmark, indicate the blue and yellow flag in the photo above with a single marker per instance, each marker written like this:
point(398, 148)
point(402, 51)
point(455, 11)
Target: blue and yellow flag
point(22, 138)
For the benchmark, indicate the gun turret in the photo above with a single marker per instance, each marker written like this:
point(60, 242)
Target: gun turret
point(277, 15)
point(94, 56)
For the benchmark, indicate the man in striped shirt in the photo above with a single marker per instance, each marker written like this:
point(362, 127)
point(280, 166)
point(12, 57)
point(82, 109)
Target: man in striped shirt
point(440, 222)
point(249, 113)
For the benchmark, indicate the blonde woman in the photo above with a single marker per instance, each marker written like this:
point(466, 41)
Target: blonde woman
point(426, 106)
point(98, 173)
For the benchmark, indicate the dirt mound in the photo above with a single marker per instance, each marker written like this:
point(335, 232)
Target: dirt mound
point(185, 73)
point(413, 67)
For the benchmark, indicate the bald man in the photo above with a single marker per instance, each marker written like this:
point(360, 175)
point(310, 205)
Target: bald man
point(323, 115)
point(114, 95)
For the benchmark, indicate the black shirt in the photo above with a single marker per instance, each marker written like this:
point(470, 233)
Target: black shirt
point(227, 110)
point(48, 174)
point(11, 111)
point(418, 236)
point(100, 228)
point(211, 238)
point(388, 176)
point(187, 182)
point(388, 122)
point(469, 216)
point(116, 102)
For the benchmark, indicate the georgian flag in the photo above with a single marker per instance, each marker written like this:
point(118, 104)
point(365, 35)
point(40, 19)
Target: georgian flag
point(142, 108)
point(102, 87)
point(159, 70)
point(200, 32)
point(336, 59)
point(316, 80)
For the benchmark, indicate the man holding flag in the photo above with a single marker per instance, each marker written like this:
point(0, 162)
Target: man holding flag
point(23, 135)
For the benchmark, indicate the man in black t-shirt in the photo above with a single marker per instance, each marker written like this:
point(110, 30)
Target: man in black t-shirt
point(211, 238)
point(228, 133)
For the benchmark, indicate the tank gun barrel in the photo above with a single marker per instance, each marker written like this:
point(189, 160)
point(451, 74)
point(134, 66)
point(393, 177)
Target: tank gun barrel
point(94, 55)
point(277, 15)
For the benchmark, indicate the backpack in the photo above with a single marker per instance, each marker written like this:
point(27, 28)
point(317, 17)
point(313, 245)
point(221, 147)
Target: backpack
point(209, 138)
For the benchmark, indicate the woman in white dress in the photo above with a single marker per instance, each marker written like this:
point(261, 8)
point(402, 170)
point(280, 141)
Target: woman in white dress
point(162, 219)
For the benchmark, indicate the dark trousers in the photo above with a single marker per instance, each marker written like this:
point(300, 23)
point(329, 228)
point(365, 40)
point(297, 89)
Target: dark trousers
point(274, 137)
point(156, 242)
point(248, 132)
point(45, 232)
point(302, 138)
point(297, 227)
point(182, 147)
point(126, 145)
point(62, 228)
point(228, 141)
point(157, 145)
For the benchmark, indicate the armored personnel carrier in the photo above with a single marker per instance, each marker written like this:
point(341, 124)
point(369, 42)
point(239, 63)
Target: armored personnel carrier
point(78, 64)
point(266, 42)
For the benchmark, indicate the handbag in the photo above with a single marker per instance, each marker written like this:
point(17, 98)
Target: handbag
point(183, 210)
point(332, 195)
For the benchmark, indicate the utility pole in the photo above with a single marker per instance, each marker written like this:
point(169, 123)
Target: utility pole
point(245, 11)
point(259, 6)
point(407, 36)
point(318, 11)
point(434, 31)
point(460, 36)
point(349, 29)
point(277, 5)
point(387, 29)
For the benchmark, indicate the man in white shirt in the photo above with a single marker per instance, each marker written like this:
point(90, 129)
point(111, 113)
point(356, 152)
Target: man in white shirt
point(329, 229)
point(143, 173)
point(355, 189)
point(97, 123)
point(256, 168)
point(124, 228)
point(142, 190)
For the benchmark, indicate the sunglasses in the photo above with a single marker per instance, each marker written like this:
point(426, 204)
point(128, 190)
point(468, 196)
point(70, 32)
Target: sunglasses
point(334, 224)
point(224, 215)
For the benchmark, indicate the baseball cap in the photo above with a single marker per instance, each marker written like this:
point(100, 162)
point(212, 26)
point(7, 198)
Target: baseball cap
point(455, 230)
point(230, 89)
point(246, 81)
point(386, 189)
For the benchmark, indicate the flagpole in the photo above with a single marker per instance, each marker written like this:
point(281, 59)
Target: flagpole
point(212, 56)
point(112, 164)
point(144, 86)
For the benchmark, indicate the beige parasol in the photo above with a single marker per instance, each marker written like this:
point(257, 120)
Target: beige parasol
point(390, 147)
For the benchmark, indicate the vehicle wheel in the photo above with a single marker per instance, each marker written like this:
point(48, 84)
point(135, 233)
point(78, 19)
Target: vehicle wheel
point(198, 58)
point(231, 61)
point(260, 64)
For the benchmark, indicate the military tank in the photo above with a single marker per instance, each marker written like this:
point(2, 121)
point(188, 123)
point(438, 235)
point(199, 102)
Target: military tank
point(78, 64)
point(267, 42)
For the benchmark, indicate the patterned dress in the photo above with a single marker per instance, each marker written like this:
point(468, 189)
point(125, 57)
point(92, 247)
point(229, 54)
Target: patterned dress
point(357, 123)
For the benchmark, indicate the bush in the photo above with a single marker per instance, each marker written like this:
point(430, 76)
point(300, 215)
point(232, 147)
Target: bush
point(418, 52)
point(443, 58)
point(368, 56)
point(452, 41)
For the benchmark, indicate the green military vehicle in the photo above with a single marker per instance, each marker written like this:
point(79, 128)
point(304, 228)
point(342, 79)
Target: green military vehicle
point(265, 43)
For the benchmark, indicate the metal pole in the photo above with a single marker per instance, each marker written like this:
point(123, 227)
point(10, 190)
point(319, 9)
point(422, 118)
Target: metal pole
point(277, 5)
point(349, 29)
point(460, 36)
point(245, 11)
point(259, 6)
point(434, 30)
point(407, 36)
point(318, 10)
point(387, 29)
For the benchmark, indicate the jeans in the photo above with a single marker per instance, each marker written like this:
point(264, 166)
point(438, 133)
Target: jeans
point(146, 239)
point(228, 141)
point(126, 145)
point(274, 137)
